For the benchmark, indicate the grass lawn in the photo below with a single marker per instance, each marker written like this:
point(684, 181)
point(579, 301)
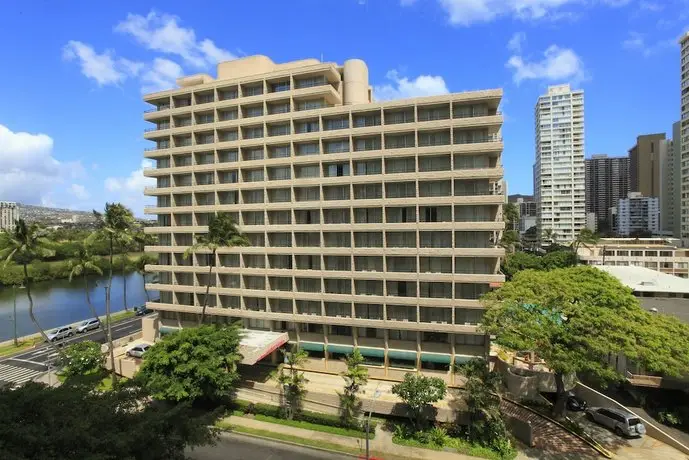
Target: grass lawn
point(23, 345)
point(121, 315)
point(286, 437)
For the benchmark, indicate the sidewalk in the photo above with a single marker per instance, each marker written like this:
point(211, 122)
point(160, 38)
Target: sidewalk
point(381, 444)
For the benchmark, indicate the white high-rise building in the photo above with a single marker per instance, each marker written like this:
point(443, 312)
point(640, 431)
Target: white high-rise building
point(559, 172)
point(638, 214)
point(684, 136)
point(8, 214)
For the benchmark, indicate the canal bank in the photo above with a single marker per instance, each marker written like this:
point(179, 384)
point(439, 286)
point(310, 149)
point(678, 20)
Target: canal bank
point(59, 302)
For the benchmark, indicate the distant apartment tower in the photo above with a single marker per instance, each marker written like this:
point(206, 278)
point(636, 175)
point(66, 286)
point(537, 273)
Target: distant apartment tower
point(683, 136)
point(670, 197)
point(373, 225)
point(527, 211)
point(644, 165)
point(559, 173)
point(9, 212)
point(607, 180)
point(675, 221)
point(637, 215)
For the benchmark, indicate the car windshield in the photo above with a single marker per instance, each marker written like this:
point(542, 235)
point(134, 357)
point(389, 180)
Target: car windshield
point(634, 421)
point(84, 323)
point(55, 331)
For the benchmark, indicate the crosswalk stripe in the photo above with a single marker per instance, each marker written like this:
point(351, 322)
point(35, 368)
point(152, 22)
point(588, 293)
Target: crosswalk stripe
point(17, 375)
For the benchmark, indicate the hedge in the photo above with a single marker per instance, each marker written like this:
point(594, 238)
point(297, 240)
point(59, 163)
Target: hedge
point(304, 416)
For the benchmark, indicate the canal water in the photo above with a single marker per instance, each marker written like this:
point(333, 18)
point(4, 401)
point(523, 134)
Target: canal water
point(60, 302)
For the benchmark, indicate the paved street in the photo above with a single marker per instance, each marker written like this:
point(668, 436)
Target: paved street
point(232, 446)
point(25, 366)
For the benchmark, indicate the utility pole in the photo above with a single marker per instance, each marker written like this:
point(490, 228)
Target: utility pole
point(376, 393)
point(14, 317)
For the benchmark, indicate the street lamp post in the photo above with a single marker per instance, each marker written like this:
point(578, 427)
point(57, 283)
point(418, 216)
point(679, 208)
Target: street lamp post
point(376, 393)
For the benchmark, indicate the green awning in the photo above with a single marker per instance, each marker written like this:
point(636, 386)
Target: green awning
point(168, 330)
point(344, 349)
point(460, 359)
point(435, 358)
point(399, 354)
point(312, 346)
point(372, 352)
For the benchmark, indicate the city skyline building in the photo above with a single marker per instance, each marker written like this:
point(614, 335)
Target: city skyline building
point(644, 165)
point(638, 215)
point(372, 224)
point(607, 180)
point(9, 213)
point(559, 170)
point(683, 137)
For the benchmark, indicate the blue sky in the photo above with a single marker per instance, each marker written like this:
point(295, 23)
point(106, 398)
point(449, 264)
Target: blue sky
point(72, 73)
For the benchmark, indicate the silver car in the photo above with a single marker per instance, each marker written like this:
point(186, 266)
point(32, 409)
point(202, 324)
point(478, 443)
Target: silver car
point(88, 325)
point(60, 333)
point(138, 351)
point(623, 423)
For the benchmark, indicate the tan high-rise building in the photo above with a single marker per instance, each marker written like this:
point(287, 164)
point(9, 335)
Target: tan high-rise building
point(372, 224)
point(645, 165)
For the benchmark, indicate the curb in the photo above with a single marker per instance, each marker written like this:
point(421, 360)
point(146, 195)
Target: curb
point(291, 443)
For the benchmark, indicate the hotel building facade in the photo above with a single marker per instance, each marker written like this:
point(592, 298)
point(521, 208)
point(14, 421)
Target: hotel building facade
point(372, 224)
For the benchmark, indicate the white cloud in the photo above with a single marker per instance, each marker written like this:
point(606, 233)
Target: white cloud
point(637, 42)
point(516, 42)
point(558, 64)
point(79, 191)
point(466, 12)
point(29, 171)
point(130, 190)
point(403, 88)
point(104, 68)
point(161, 75)
point(161, 32)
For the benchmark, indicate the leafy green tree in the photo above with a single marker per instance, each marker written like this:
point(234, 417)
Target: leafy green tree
point(510, 240)
point(355, 376)
point(576, 318)
point(82, 358)
point(585, 238)
point(222, 233)
point(23, 244)
point(197, 363)
point(143, 239)
point(548, 235)
point(83, 264)
point(73, 421)
point(559, 259)
point(112, 227)
point(486, 424)
point(292, 382)
point(521, 261)
point(510, 214)
point(419, 392)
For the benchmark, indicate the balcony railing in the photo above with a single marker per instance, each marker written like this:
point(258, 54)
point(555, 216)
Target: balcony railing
point(479, 139)
point(157, 109)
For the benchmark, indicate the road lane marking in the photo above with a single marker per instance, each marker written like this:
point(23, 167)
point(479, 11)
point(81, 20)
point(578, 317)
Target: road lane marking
point(28, 361)
point(17, 375)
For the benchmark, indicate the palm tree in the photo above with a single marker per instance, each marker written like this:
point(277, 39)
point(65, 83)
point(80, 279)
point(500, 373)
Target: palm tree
point(113, 226)
point(83, 264)
point(144, 239)
point(22, 245)
point(586, 237)
point(549, 235)
point(293, 383)
point(222, 233)
point(355, 376)
point(140, 264)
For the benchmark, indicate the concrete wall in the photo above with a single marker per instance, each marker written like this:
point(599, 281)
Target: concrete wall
point(521, 430)
point(595, 398)
point(528, 384)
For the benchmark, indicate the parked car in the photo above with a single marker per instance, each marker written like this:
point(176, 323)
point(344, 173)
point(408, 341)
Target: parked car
point(60, 333)
point(623, 423)
point(138, 351)
point(88, 325)
point(141, 311)
point(575, 403)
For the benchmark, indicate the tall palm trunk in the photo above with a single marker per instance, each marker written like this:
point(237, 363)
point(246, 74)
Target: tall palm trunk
point(107, 319)
point(124, 280)
point(90, 304)
point(208, 287)
point(34, 320)
point(148, 297)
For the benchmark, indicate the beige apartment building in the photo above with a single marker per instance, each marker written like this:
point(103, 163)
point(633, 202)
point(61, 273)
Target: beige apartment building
point(372, 224)
point(9, 213)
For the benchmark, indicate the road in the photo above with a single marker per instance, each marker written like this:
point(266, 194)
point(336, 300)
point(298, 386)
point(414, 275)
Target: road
point(232, 446)
point(27, 365)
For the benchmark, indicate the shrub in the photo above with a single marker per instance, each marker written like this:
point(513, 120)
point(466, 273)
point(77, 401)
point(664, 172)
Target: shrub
point(669, 418)
point(438, 436)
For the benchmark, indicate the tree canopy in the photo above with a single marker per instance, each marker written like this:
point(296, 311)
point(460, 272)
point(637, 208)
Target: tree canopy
point(193, 363)
point(419, 392)
point(519, 261)
point(73, 421)
point(81, 358)
point(575, 318)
